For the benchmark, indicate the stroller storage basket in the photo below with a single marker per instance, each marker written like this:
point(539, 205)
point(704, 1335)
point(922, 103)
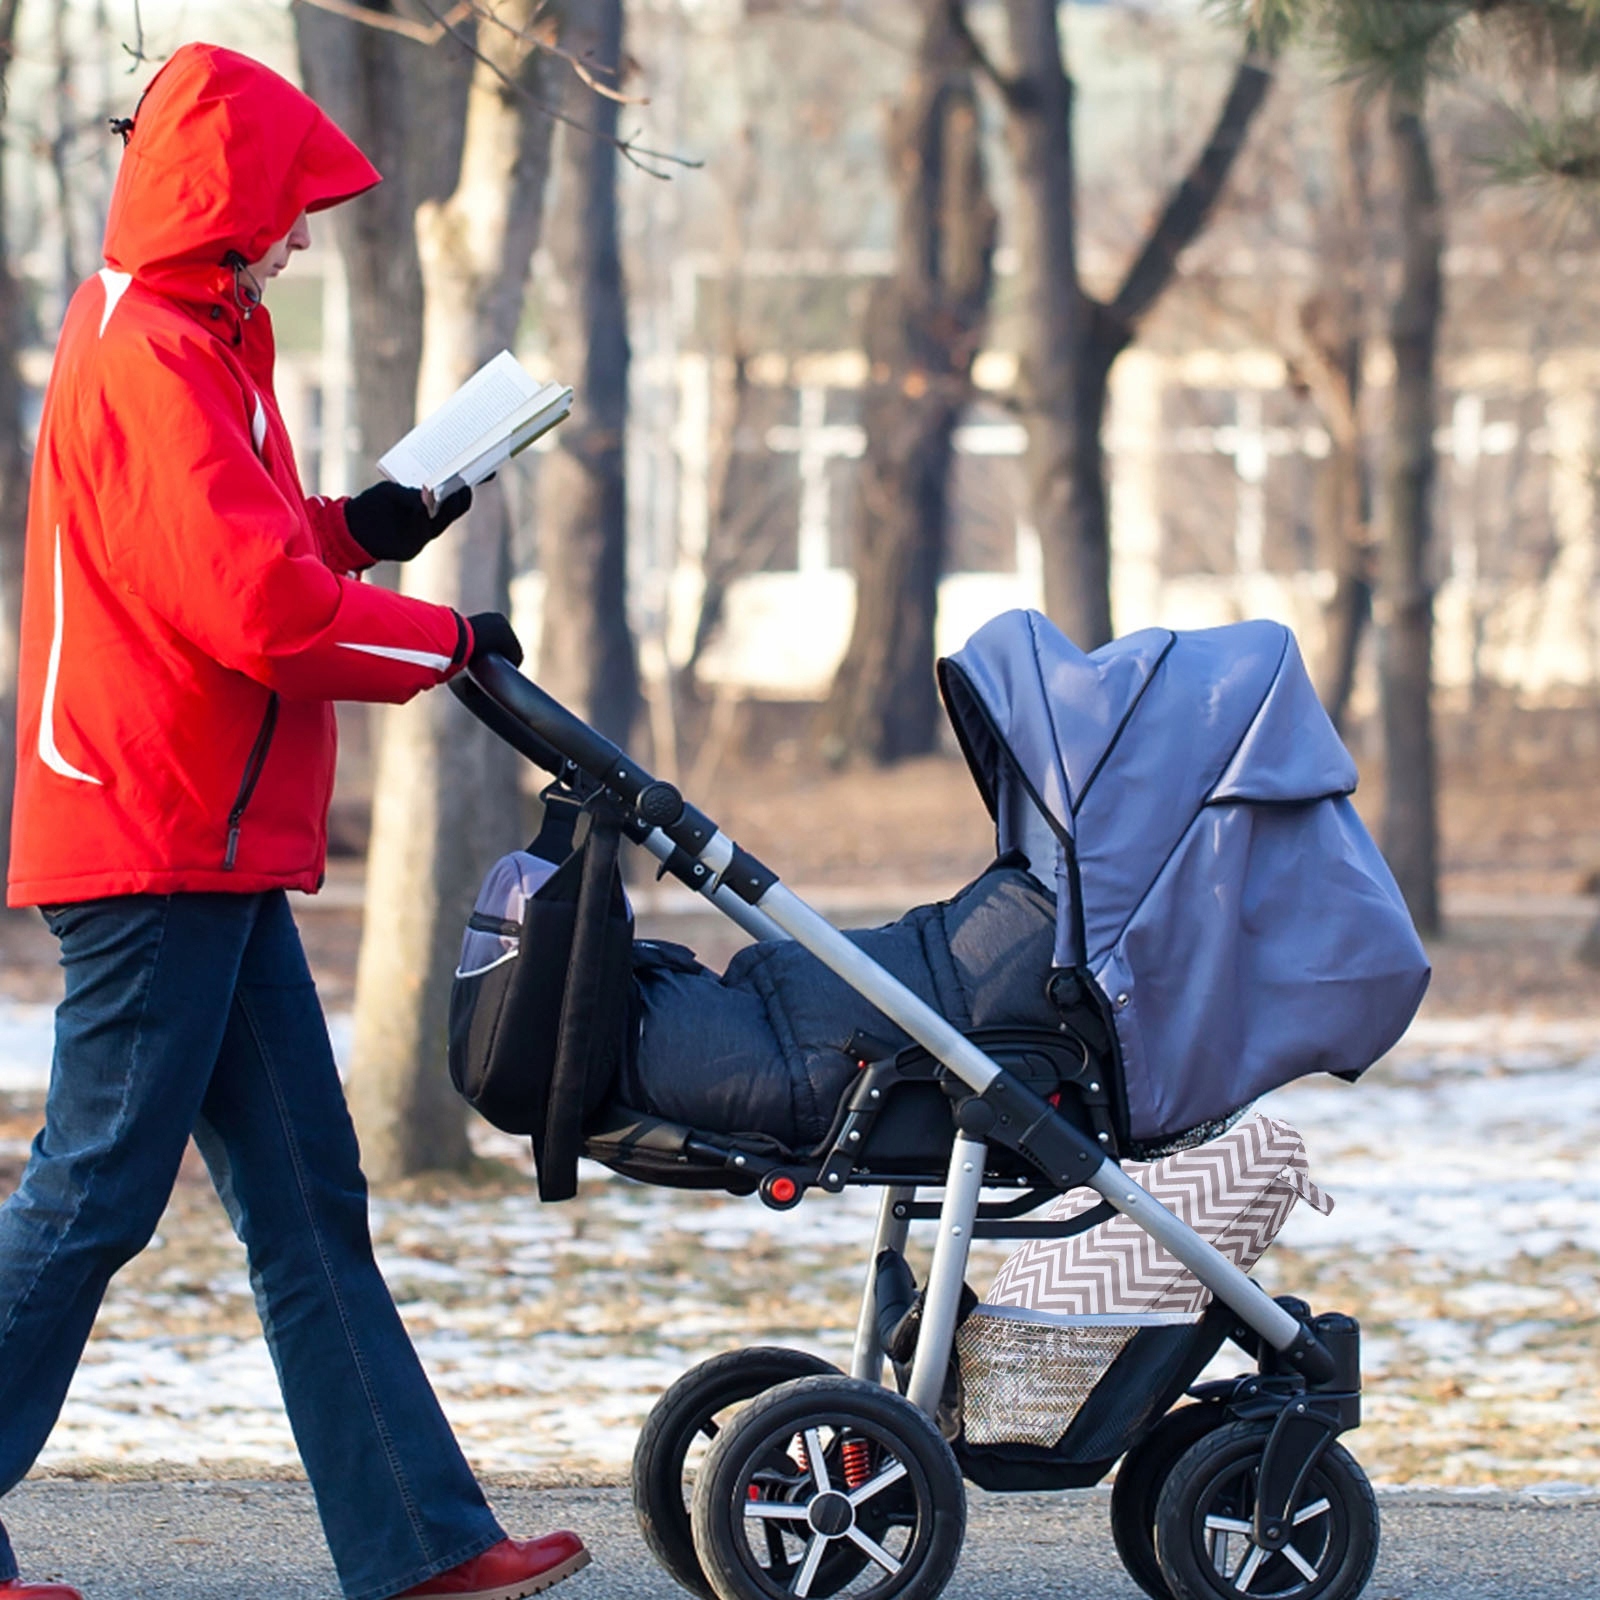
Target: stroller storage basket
point(1062, 1314)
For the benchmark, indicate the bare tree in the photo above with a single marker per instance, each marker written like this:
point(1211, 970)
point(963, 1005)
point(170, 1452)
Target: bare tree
point(1069, 340)
point(360, 73)
point(586, 654)
point(445, 793)
point(730, 520)
point(923, 327)
point(1410, 828)
point(1327, 343)
point(1397, 49)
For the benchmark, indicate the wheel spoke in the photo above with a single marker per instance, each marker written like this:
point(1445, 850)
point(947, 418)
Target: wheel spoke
point(875, 1550)
point(1227, 1525)
point(1300, 1564)
point(1317, 1508)
point(774, 1511)
point(1248, 1569)
point(892, 1473)
point(819, 1467)
point(778, 1563)
point(808, 1568)
point(1219, 1551)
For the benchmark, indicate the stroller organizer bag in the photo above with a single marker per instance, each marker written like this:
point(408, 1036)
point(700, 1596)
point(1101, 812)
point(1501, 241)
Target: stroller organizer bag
point(1060, 1313)
point(1185, 913)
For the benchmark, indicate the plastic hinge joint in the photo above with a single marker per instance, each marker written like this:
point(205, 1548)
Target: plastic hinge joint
point(747, 877)
point(1031, 1126)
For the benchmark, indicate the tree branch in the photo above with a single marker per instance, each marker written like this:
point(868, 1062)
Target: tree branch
point(424, 33)
point(1004, 85)
point(446, 25)
point(546, 41)
point(636, 155)
point(1190, 203)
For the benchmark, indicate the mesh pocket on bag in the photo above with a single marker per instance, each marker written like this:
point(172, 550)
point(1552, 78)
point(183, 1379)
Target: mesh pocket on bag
point(1024, 1382)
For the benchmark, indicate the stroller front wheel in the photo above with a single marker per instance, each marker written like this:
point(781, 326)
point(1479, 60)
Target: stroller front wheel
point(829, 1486)
point(1139, 1482)
point(690, 1412)
point(1204, 1519)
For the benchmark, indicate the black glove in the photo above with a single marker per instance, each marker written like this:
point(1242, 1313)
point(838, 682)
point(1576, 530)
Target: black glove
point(492, 635)
point(391, 522)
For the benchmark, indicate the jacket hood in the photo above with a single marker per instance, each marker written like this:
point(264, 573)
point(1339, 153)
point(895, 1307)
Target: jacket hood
point(223, 155)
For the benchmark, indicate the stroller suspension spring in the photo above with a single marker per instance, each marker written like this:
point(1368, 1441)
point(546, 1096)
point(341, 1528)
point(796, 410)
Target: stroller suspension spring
point(856, 1458)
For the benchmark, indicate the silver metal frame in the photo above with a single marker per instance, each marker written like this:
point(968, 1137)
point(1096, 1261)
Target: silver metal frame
point(866, 1360)
point(780, 913)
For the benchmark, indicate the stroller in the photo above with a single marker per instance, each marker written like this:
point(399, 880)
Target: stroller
point(1222, 924)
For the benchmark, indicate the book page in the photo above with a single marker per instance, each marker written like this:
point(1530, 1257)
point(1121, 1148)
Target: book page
point(488, 407)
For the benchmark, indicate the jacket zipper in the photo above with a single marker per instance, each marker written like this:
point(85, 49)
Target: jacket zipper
point(252, 776)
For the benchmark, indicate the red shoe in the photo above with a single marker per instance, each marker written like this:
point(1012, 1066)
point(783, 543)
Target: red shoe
point(505, 1571)
point(16, 1589)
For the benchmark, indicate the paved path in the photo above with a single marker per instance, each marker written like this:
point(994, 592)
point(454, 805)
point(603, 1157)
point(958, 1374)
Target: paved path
point(259, 1541)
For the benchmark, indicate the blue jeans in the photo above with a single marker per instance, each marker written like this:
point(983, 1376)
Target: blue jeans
point(196, 1012)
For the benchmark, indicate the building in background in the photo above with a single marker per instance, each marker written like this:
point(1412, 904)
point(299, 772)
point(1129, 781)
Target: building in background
point(766, 254)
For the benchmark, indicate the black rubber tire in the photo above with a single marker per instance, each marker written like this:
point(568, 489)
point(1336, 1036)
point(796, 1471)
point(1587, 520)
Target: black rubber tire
point(1138, 1487)
point(687, 1411)
point(1217, 1477)
point(918, 1520)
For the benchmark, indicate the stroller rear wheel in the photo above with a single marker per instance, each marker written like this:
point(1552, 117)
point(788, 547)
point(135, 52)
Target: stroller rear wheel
point(1138, 1486)
point(829, 1486)
point(691, 1414)
point(1204, 1518)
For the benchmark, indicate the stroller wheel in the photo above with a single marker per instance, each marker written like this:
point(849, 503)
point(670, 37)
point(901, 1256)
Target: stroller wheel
point(1203, 1525)
point(672, 1444)
point(829, 1486)
point(1138, 1487)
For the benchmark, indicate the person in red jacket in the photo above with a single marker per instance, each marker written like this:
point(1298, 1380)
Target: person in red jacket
point(189, 615)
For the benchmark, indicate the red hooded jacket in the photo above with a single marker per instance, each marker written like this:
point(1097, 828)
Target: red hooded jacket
point(188, 614)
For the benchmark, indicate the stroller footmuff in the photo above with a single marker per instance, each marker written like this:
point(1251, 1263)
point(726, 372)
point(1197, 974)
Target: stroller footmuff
point(1186, 914)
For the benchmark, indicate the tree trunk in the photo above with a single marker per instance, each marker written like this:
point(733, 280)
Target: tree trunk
point(445, 801)
point(1066, 494)
point(1331, 340)
point(924, 325)
point(586, 655)
point(1349, 608)
point(1405, 595)
point(730, 551)
point(359, 74)
point(1069, 342)
point(14, 465)
point(1327, 347)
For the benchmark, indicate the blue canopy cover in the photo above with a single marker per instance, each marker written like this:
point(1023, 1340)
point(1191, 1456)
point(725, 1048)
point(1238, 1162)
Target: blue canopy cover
point(1210, 871)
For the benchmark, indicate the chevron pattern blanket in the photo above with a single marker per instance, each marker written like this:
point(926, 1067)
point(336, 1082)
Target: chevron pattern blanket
point(1060, 1311)
point(1235, 1191)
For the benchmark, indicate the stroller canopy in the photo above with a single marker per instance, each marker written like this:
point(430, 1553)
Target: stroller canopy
point(1210, 872)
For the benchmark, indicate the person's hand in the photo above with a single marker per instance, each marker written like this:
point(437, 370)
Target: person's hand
point(393, 523)
point(492, 634)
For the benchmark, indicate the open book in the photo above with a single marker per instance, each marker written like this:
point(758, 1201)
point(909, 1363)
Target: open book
point(498, 411)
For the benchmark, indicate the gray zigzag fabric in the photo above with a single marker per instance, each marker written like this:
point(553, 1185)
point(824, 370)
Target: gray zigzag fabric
point(1235, 1191)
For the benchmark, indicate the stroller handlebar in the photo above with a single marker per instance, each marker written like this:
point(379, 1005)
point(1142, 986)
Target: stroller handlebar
point(565, 737)
point(535, 723)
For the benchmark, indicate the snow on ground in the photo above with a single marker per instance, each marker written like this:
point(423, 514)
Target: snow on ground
point(1466, 1237)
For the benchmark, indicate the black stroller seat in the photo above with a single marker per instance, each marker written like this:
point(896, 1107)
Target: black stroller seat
point(893, 1124)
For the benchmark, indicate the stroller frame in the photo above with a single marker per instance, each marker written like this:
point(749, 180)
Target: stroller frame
point(1307, 1393)
point(693, 849)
